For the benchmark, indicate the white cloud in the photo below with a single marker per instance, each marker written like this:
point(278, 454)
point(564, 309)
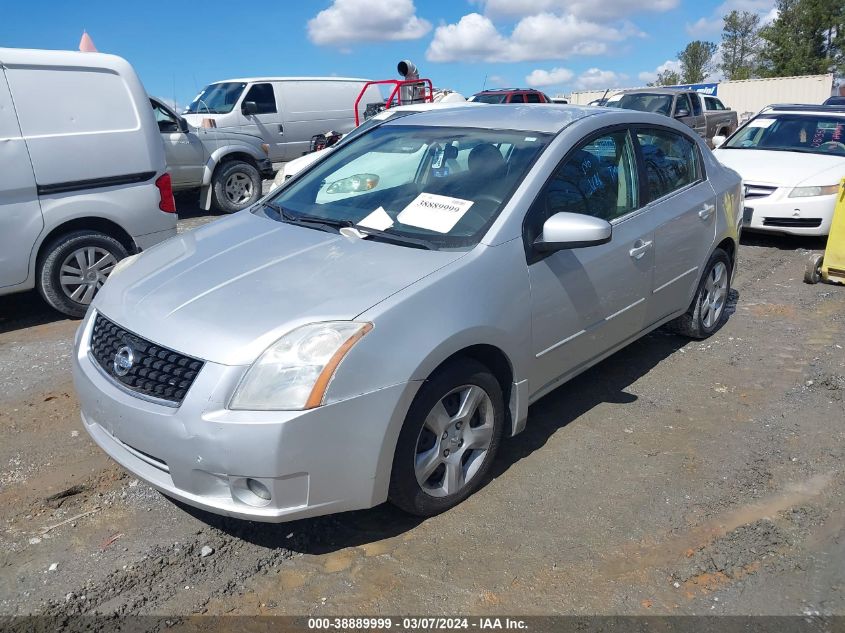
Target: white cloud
point(497, 80)
point(596, 79)
point(587, 9)
point(554, 77)
point(348, 21)
point(706, 27)
point(542, 36)
point(648, 76)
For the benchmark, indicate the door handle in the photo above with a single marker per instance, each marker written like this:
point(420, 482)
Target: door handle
point(639, 249)
point(281, 129)
point(707, 211)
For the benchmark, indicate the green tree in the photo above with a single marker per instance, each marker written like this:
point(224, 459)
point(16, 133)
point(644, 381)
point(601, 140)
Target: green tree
point(697, 61)
point(740, 43)
point(806, 38)
point(666, 77)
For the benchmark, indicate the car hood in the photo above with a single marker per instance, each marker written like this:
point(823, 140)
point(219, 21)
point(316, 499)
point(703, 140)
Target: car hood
point(782, 169)
point(228, 290)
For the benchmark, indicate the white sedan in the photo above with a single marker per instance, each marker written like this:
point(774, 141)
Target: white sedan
point(791, 159)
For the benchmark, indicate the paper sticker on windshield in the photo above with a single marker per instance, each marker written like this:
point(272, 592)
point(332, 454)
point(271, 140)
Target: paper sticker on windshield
point(378, 220)
point(761, 122)
point(433, 212)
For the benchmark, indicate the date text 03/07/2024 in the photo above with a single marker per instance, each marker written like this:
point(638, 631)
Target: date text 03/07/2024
point(415, 623)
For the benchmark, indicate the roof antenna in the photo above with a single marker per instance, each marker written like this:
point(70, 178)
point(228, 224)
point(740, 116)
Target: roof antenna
point(484, 83)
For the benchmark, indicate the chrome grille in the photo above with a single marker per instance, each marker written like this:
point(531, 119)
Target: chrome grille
point(753, 192)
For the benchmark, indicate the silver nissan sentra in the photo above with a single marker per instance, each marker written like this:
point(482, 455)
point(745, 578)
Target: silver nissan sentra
point(379, 325)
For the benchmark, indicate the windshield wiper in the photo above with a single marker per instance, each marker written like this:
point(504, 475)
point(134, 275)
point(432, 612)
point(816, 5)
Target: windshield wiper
point(384, 236)
point(325, 224)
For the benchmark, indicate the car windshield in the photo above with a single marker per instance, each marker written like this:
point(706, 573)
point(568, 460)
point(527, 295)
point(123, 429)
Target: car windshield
point(490, 98)
point(375, 121)
point(216, 98)
point(642, 101)
point(815, 134)
point(429, 187)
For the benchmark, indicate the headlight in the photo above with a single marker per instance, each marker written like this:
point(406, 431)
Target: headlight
point(265, 148)
point(354, 184)
point(809, 192)
point(294, 372)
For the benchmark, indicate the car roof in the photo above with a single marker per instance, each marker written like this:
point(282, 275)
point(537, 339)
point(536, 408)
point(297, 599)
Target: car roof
point(498, 90)
point(803, 107)
point(254, 79)
point(657, 91)
point(539, 117)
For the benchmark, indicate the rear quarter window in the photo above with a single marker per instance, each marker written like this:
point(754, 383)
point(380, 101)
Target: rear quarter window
point(58, 102)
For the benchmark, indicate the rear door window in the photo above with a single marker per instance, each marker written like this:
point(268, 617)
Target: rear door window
point(262, 95)
point(532, 97)
point(713, 103)
point(671, 160)
point(518, 98)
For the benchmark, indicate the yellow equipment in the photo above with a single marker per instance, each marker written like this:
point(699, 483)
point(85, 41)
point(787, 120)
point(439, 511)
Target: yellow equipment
point(830, 266)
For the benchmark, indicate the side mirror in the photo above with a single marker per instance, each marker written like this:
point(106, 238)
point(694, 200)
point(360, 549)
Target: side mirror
point(249, 107)
point(681, 113)
point(573, 230)
point(719, 140)
point(183, 125)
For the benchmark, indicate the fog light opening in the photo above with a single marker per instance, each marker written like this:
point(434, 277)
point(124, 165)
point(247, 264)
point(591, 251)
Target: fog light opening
point(258, 489)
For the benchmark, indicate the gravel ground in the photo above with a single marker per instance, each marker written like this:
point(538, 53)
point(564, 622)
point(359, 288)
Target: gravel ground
point(675, 477)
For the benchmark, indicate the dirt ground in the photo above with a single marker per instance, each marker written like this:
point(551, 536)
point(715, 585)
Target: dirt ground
point(675, 477)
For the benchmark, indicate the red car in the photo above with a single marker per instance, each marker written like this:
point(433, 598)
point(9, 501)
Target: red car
point(510, 95)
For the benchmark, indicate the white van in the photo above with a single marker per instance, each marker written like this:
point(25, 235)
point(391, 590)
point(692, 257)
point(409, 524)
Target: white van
point(285, 111)
point(82, 173)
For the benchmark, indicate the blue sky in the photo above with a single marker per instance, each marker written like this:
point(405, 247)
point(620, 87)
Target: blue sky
point(555, 45)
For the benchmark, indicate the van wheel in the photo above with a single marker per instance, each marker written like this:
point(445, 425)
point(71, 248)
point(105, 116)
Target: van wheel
point(74, 267)
point(707, 312)
point(449, 439)
point(236, 185)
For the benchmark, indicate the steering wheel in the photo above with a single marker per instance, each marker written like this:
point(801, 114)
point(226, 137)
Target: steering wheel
point(832, 146)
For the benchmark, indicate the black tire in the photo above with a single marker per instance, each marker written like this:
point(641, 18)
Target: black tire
point(813, 270)
point(405, 491)
point(222, 174)
point(692, 323)
point(53, 257)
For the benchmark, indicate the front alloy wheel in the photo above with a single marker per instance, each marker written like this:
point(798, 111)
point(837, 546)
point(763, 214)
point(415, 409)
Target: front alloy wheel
point(449, 439)
point(454, 441)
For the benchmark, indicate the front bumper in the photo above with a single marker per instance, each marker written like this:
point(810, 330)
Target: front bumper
point(330, 459)
point(778, 213)
point(265, 167)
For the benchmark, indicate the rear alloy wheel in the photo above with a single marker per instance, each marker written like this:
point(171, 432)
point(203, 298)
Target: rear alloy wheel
point(449, 439)
point(707, 312)
point(236, 185)
point(74, 269)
